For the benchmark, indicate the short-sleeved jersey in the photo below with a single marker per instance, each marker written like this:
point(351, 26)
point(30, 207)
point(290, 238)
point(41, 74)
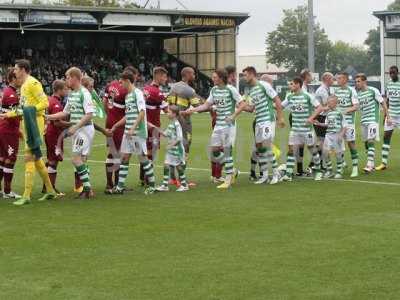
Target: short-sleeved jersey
point(155, 101)
point(369, 100)
point(79, 103)
point(183, 96)
point(301, 105)
point(225, 100)
point(347, 97)
point(261, 96)
point(9, 103)
point(114, 97)
point(174, 135)
point(322, 94)
point(55, 106)
point(393, 96)
point(135, 103)
point(335, 121)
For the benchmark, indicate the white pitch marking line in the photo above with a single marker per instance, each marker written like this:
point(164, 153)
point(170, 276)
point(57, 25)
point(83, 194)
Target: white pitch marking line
point(98, 145)
point(337, 180)
point(366, 181)
point(244, 172)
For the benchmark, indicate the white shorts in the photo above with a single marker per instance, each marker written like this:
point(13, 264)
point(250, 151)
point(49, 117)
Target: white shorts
point(350, 134)
point(265, 131)
point(133, 145)
point(370, 132)
point(82, 140)
point(223, 137)
point(302, 138)
point(395, 123)
point(334, 142)
point(174, 161)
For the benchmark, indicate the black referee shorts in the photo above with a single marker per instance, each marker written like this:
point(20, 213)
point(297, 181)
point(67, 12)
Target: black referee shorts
point(320, 131)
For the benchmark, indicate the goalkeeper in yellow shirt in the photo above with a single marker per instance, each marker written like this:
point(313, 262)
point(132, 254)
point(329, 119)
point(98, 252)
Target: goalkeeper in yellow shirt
point(33, 99)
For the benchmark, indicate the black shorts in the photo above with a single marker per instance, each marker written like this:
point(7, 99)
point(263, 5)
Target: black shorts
point(320, 131)
point(186, 125)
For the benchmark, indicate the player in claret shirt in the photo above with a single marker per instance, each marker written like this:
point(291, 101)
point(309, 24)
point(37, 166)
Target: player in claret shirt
point(54, 131)
point(114, 103)
point(9, 132)
point(155, 102)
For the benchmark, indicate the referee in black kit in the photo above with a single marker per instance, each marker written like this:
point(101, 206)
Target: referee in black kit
point(322, 94)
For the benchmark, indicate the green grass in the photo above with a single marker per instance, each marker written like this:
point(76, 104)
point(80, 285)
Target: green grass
point(303, 240)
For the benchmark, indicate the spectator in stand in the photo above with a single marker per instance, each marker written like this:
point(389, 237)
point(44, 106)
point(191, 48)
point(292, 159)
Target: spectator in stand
point(51, 64)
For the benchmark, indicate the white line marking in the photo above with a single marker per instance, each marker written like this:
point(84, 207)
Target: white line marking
point(354, 180)
point(98, 145)
point(366, 181)
point(247, 173)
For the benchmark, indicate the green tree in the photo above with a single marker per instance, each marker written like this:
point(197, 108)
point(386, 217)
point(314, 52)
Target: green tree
point(394, 6)
point(374, 51)
point(287, 45)
point(342, 55)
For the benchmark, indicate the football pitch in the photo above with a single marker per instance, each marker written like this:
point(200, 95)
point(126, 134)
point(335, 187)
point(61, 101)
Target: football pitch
point(299, 240)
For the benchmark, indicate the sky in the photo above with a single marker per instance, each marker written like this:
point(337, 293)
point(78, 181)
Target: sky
point(346, 20)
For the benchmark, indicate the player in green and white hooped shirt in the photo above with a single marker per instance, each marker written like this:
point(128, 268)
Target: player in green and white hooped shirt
point(301, 105)
point(135, 134)
point(335, 124)
point(348, 105)
point(392, 119)
point(175, 156)
point(80, 109)
point(225, 98)
point(262, 99)
point(369, 99)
